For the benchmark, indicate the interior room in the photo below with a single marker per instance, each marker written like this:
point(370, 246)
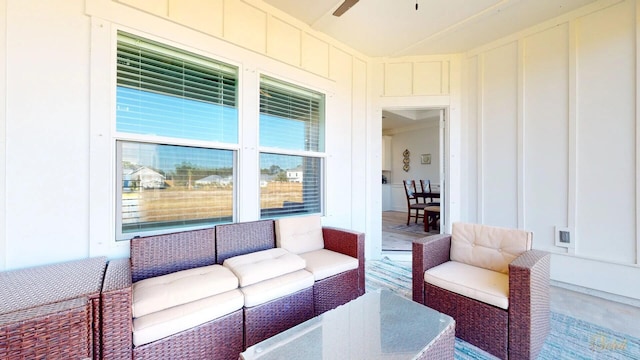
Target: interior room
point(523, 114)
point(415, 133)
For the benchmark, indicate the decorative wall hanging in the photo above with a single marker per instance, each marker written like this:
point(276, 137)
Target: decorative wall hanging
point(406, 160)
point(425, 158)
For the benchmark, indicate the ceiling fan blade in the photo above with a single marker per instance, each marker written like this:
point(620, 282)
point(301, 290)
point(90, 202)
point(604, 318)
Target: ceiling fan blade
point(346, 5)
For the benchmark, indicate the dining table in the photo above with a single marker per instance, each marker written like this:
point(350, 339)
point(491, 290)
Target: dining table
point(431, 213)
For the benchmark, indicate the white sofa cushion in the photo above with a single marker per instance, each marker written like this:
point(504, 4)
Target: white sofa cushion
point(299, 234)
point(181, 287)
point(487, 286)
point(277, 287)
point(324, 263)
point(263, 265)
point(157, 325)
point(488, 247)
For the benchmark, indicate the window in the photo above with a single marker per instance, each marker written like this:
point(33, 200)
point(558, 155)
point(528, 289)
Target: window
point(292, 149)
point(176, 135)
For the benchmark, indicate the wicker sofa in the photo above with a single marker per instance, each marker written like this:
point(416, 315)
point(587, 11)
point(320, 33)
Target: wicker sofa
point(52, 311)
point(491, 282)
point(223, 337)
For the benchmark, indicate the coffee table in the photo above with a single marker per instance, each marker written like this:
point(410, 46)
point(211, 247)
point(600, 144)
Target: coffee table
point(377, 325)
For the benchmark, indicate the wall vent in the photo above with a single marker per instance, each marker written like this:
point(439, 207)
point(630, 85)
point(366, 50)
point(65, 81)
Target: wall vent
point(564, 237)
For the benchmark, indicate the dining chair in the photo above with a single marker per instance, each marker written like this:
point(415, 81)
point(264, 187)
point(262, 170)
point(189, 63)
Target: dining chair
point(415, 209)
point(426, 188)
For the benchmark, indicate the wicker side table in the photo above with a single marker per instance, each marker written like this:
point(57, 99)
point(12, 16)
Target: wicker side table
point(51, 311)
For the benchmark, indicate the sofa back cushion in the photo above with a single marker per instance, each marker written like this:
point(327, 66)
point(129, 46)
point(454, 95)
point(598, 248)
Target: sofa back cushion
point(299, 234)
point(488, 247)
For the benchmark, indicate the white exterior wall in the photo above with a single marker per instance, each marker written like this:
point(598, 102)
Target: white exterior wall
point(551, 141)
point(545, 135)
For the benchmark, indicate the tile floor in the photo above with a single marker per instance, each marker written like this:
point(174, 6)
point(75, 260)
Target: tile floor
point(622, 316)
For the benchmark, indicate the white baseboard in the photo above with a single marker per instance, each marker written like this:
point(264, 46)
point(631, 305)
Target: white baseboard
point(597, 293)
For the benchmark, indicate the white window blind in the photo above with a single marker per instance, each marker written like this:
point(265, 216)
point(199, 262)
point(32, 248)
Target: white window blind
point(165, 91)
point(291, 117)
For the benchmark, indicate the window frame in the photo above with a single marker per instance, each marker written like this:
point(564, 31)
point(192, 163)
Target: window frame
point(118, 137)
point(321, 155)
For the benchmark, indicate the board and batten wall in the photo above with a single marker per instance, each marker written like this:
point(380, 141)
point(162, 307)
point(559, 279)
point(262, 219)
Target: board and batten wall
point(550, 140)
point(56, 152)
point(542, 134)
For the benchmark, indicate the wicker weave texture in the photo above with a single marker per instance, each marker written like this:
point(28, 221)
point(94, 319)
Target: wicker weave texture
point(60, 330)
point(34, 307)
point(427, 252)
point(482, 325)
point(220, 339)
point(243, 238)
point(529, 309)
point(26, 288)
point(334, 291)
point(163, 254)
point(268, 319)
point(116, 340)
point(349, 243)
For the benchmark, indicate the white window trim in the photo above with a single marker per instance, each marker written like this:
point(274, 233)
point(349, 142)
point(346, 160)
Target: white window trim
point(102, 175)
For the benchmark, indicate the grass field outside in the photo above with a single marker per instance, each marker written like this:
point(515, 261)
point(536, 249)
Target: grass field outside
point(174, 204)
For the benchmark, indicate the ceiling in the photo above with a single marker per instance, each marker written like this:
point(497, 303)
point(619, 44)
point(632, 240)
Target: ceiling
point(394, 119)
point(392, 28)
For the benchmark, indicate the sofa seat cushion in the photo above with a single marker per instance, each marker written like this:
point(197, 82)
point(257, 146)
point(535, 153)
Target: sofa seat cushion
point(263, 265)
point(157, 325)
point(324, 263)
point(277, 287)
point(181, 287)
point(487, 286)
point(489, 247)
point(299, 234)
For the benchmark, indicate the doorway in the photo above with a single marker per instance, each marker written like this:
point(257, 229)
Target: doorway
point(419, 134)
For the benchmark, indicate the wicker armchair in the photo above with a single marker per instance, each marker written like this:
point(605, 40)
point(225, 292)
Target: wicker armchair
point(52, 311)
point(517, 331)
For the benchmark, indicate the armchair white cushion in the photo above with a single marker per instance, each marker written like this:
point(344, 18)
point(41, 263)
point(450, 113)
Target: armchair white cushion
point(490, 287)
point(488, 247)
